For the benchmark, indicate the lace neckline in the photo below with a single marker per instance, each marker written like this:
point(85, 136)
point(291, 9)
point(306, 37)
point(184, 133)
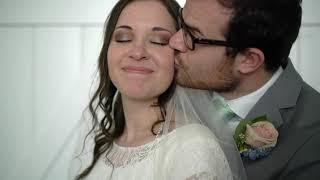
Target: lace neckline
point(130, 148)
point(121, 156)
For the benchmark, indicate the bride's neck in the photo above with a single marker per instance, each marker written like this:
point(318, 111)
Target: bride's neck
point(139, 118)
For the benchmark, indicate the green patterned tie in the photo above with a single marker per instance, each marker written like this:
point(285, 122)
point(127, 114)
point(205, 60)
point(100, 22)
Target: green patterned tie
point(224, 109)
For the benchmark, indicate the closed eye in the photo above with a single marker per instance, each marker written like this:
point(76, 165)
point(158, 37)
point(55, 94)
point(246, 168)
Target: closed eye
point(123, 41)
point(159, 43)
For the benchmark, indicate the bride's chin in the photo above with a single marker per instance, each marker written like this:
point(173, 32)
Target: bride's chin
point(138, 96)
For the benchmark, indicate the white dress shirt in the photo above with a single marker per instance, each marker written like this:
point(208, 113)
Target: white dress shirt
point(242, 105)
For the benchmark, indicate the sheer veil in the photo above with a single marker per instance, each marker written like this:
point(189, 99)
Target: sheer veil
point(193, 106)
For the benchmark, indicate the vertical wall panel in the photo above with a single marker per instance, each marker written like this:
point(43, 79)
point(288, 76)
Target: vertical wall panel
point(16, 99)
point(310, 56)
point(311, 13)
point(91, 41)
point(294, 54)
point(56, 91)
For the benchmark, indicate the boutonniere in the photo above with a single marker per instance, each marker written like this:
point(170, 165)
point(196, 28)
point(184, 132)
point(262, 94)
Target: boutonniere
point(255, 138)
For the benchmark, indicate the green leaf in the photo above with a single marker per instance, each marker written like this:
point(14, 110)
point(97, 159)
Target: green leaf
point(241, 128)
point(260, 118)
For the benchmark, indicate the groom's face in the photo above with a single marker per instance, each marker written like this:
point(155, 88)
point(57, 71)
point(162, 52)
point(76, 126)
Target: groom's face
point(207, 66)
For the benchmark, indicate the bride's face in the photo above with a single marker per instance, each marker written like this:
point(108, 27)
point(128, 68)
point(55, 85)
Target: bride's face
point(141, 64)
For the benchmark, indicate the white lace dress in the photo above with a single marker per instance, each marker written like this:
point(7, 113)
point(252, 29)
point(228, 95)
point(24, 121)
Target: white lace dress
point(190, 152)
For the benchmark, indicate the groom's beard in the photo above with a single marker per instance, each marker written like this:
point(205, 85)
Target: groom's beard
point(221, 79)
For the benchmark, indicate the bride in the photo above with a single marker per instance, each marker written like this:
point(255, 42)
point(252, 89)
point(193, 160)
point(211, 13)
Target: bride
point(143, 125)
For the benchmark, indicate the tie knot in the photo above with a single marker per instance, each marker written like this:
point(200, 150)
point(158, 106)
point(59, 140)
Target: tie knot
point(224, 109)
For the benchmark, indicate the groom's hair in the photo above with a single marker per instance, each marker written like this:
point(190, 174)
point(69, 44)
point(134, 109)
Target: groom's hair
point(269, 25)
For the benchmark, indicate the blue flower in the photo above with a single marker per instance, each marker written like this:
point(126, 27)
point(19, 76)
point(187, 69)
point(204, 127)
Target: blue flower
point(256, 153)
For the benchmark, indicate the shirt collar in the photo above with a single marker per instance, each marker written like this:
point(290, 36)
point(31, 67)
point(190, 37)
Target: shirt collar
point(242, 105)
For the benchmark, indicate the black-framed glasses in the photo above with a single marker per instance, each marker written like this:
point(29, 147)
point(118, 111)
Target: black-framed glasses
point(190, 40)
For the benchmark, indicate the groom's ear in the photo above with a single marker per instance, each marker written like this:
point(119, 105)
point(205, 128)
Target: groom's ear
point(249, 60)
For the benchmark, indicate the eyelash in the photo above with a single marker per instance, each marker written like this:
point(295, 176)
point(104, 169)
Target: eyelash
point(123, 41)
point(160, 44)
point(153, 42)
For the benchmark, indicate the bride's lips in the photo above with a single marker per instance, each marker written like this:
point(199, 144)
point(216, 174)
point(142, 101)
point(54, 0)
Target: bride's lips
point(137, 70)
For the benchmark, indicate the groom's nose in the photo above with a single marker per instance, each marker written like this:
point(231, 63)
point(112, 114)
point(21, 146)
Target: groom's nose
point(177, 42)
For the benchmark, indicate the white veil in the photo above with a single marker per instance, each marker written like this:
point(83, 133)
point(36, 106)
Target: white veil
point(193, 106)
point(186, 107)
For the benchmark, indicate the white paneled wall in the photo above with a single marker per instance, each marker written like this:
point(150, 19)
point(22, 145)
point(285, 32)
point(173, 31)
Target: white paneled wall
point(57, 75)
point(309, 55)
point(46, 72)
point(16, 72)
point(305, 53)
point(49, 51)
point(48, 11)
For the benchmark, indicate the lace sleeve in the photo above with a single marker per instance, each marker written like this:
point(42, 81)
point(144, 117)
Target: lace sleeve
point(198, 156)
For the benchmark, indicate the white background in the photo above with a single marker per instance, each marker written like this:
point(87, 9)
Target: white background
point(48, 53)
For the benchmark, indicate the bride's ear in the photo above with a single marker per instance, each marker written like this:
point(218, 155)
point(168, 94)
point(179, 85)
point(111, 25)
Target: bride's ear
point(249, 60)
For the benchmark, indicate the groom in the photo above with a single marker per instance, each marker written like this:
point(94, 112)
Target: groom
point(239, 49)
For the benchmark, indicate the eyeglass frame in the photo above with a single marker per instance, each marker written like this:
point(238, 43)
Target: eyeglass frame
point(184, 27)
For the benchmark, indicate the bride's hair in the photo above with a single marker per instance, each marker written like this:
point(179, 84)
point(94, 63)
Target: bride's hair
point(109, 125)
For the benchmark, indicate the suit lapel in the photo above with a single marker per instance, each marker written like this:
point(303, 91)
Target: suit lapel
point(281, 95)
point(280, 98)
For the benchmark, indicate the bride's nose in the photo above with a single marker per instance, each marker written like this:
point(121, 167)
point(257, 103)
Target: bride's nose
point(139, 52)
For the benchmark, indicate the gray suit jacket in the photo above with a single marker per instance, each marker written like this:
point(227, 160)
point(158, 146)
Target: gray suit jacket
point(293, 107)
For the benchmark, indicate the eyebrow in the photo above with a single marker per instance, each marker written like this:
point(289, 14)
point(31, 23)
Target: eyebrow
point(124, 27)
point(161, 29)
point(153, 29)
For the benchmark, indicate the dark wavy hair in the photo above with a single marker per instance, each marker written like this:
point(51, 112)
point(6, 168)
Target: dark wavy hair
point(108, 128)
point(269, 25)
